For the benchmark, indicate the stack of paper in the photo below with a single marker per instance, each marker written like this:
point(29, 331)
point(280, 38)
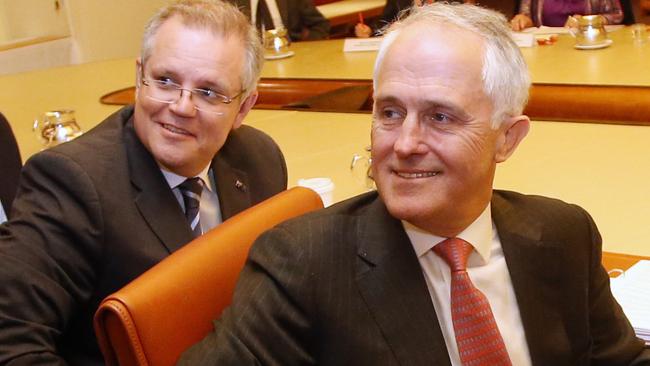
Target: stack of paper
point(361, 44)
point(523, 39)
point(632, 291)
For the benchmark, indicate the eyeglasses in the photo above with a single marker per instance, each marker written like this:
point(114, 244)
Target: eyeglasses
point(168, 92)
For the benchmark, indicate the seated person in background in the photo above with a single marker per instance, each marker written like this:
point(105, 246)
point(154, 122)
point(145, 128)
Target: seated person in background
point(436, 267)
point(556, 13)
point(300, 17)
point(94, 213)
point(389, 15)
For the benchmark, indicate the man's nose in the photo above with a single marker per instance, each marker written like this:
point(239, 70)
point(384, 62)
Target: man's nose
point(184, 105)
point(410, 139)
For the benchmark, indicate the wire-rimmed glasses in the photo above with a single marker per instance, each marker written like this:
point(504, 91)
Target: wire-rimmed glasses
point(168, 92)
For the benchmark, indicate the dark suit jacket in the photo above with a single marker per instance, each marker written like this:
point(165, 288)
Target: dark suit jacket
point(10, 164)
point(296, 16)
point(343, 286)
point(390, 13)
point(93, 214)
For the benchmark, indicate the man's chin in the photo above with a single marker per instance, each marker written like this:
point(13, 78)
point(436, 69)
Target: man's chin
point(174, 165)
point(403, 209)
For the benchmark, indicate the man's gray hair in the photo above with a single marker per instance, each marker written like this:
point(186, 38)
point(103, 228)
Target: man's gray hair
point(221, 18)
point(505, 75)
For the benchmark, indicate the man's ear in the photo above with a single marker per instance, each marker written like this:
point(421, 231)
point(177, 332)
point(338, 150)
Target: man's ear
point(138, 74)
point(244, 108)
point(511, 133)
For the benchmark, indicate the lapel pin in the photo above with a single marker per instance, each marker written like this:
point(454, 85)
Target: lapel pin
point(240, 185)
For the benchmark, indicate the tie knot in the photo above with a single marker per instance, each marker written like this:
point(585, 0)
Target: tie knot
point(191, 189)
point(455, 252)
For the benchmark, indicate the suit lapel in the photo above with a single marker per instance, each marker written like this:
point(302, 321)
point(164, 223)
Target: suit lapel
point(535, 270)
point(232, 187)
point(392, 285)
point(153, 197)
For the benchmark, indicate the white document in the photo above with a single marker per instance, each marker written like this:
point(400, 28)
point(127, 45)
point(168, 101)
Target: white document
point(523, 39)
point(632, 291)
point(361, 44)
point(546, 30)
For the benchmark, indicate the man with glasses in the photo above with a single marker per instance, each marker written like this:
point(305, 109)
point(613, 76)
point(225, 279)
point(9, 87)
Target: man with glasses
point(95, 213)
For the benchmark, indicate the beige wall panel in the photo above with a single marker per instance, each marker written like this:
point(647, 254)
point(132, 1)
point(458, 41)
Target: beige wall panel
point(104, 30)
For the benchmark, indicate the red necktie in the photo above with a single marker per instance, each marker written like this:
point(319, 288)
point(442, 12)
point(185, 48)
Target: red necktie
point(477, 335)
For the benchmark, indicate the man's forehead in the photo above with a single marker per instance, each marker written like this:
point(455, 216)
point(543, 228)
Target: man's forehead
point(431, 49)
point(425, 34)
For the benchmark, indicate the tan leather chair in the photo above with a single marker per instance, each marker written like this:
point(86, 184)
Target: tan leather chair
point(153, 319)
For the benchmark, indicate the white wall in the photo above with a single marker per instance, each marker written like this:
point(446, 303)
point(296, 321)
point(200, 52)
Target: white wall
point(24, 19)
point(108, 29)
point(92, 30)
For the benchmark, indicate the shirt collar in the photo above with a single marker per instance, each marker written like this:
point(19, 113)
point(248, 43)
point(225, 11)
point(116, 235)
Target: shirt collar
point(478, 233)
point(173, 179)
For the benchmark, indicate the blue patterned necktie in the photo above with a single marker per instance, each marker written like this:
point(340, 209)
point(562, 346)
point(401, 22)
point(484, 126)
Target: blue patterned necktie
point(191, 190)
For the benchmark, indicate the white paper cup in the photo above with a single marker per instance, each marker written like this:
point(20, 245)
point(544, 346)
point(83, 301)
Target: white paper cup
point(323, 186)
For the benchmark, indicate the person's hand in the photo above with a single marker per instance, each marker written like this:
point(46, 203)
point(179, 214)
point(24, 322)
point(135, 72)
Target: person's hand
point(520, 22)
point(572, 21)
point(362, 30)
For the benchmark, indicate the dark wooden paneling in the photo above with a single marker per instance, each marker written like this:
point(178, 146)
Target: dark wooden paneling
point(321, 95)
point(596, 104)
point(552, 102)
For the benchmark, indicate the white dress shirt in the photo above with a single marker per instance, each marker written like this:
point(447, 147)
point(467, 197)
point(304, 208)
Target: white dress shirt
point(209, 208)
point(488, 271)
point(3, 217)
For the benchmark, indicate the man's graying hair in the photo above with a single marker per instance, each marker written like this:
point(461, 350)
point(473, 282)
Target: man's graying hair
point(221, 18)
point(505, 75)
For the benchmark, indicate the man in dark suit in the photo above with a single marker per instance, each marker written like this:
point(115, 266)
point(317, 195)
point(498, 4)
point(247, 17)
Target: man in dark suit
point(301, 18)
point(436, 268)
point(93, 214)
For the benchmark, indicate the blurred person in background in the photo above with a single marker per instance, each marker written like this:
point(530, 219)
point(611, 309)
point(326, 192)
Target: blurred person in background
point(559, 13)
point(300, 18)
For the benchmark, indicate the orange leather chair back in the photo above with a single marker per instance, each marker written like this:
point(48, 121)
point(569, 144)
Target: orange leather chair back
point(160, 314)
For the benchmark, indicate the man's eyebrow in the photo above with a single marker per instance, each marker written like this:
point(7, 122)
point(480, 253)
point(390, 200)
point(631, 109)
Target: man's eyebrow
point(212, 85)
point(202, 83)
point(162, 71)
point(428, 104)
point(386, 98)
point(454, 109)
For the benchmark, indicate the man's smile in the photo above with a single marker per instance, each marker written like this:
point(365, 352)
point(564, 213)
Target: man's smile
point(416, 175)
point(174, 129)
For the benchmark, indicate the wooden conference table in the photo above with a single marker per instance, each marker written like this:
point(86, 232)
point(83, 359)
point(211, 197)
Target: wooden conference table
point(601, 167)
point(624, 63)
point(610, 85)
